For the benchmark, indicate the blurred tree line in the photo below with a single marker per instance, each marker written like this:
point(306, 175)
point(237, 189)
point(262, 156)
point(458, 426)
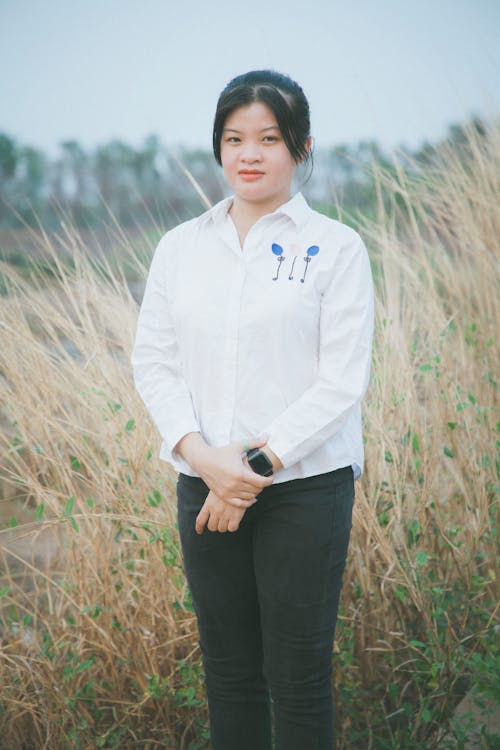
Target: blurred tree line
point(149, 184)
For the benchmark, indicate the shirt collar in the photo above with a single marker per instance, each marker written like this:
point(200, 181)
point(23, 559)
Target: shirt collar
point(297, 209)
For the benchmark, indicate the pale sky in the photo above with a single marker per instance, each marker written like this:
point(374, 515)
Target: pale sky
point(398, 71)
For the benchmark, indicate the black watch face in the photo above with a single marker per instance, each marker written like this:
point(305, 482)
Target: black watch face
point(261, 464)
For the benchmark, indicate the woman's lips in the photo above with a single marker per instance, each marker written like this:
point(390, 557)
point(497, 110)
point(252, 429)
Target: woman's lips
point(250, 176)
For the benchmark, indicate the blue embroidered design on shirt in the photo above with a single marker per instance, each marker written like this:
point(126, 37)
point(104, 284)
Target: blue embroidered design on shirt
point(278, 251)
point(280, 256)
point(311, 252)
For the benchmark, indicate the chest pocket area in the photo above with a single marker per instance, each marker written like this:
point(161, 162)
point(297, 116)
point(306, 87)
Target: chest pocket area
point(293, 296)
point(295, 261)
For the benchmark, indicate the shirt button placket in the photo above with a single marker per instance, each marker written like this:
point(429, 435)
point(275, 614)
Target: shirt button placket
point(231, 349)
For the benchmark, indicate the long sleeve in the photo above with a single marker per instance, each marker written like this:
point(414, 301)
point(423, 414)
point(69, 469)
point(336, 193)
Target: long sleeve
point(156, 360)
point(345, 343)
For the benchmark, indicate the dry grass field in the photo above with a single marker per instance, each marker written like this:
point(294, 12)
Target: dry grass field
point(98, 644)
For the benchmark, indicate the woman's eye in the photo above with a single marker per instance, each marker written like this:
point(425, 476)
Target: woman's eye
point(233, 139)
point(270, 138)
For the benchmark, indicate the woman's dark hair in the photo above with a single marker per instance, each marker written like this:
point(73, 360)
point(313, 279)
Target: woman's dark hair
point(282, 95)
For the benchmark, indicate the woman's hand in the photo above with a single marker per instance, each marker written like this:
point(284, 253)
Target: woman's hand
point(223, 470)
point(218, 515)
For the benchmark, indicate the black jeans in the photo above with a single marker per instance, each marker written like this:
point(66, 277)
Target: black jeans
point(266, 599)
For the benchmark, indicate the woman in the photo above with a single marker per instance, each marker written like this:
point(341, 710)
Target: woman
point(252, 355)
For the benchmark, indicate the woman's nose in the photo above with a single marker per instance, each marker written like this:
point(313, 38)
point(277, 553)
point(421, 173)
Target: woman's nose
point(251, 152)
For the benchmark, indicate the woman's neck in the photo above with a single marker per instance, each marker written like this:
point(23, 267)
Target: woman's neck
point(245, 214)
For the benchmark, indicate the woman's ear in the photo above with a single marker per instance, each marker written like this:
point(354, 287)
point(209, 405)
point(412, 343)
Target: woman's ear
point(308, 144)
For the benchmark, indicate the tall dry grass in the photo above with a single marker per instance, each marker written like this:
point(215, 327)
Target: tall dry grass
point(98, 639)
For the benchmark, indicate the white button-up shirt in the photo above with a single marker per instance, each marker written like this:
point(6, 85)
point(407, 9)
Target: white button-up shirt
point(273, 338)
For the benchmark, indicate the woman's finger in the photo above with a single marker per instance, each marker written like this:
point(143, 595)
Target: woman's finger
point(213, 522)
point(253, 442)
point(254, 479)
point(201, 520)
point(250, 482)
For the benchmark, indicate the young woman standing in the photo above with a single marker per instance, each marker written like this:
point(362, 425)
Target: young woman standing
point(252, 355)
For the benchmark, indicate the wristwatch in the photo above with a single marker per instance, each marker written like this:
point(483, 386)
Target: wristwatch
point(260, 462)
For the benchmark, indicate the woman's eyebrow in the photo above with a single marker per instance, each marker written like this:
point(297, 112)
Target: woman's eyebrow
point(233, 130)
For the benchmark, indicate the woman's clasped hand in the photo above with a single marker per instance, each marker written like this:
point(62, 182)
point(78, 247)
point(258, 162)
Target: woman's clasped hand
point(233, 484)
point(218, 515)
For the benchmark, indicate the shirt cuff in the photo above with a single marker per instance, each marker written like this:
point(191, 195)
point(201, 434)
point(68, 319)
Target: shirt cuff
point(279, 449)
point(181, 432)
point(291, 445)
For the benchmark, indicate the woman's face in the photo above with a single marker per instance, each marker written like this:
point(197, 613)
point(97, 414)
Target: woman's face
point(255, 159)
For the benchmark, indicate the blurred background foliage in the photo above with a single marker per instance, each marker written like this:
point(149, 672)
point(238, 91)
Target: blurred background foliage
point(149, 184)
